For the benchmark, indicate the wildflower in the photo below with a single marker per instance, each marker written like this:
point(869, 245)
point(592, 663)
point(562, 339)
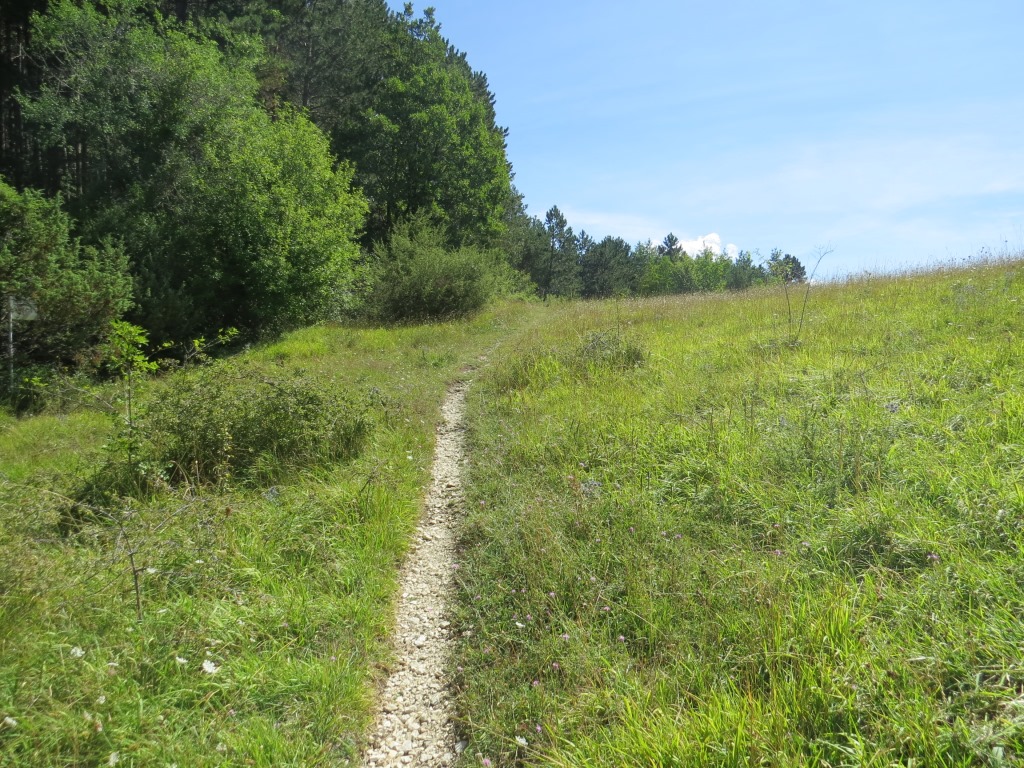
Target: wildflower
point(605, 608)
point(521, 741)
point(805, 544)
point(181, 660)
point(529, 617)
point(537, 728)
point(486, 761)
point(555, 666)
point(932, 557)
point(101, 700)
point(114, 758)
point(10, 722)
point(551, 594)
point(565, 636)
point(77, 653)
point(520, 624)
point(210, 668)
point(150, 571)
point(777, 552)
point(535, 683)
point(622, 638)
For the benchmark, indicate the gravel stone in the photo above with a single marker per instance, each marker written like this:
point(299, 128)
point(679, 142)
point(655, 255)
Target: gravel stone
point(417, 688)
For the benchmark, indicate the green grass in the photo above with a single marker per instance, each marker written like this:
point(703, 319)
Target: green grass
point(693, 542)
point(286, 591)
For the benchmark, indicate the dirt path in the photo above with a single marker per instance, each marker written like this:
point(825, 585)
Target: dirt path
point(414, 724)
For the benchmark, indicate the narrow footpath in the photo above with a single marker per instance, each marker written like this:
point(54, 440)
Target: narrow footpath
point(414, 723)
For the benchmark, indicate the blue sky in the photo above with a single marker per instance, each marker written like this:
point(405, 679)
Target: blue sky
point(891, 132)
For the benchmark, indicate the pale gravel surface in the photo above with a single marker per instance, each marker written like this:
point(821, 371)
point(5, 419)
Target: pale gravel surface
point(414, 723)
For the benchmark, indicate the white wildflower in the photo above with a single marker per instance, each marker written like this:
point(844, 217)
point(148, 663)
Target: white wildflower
point(77, 653)
point(221, 747)
point(181, 660)
point(10, 722)
point(521, 741)
point(151, 571)
point(518, 624)
point(101, 700)
point(114, 759)
point(209, 667)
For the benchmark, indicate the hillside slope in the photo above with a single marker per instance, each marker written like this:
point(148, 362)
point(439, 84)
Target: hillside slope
point(701, 534)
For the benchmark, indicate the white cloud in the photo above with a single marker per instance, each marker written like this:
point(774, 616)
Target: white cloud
point(711, 240)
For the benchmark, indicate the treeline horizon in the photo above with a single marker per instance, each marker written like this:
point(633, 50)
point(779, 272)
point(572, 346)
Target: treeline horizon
point(194, 165)
point(562, 263)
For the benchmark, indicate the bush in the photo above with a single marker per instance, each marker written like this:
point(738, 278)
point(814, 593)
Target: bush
point(419, 278)
point(77, 290)
point(228, 419)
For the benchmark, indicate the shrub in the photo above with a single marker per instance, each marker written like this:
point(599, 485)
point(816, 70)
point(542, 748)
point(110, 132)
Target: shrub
point(229, 419)
point(419, 278)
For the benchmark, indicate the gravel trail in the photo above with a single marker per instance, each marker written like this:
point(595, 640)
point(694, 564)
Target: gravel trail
point(414, 723)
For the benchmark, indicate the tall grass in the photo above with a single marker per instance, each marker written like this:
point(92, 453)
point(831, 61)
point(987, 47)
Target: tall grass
point(741, 550)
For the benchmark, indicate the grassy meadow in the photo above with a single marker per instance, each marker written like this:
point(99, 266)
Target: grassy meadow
point(265, 598)
point(703, 534)
point(714, 530)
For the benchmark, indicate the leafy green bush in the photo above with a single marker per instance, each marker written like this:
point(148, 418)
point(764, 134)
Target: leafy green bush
point(225, 420)
point(77, 290)
point(418, 277)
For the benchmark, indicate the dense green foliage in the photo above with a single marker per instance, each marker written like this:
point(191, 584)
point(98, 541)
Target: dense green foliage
point(76, 290)
point(240, 153)
point(230, 420)
point(728, 548)
point(229, 217)
point(418, 276)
